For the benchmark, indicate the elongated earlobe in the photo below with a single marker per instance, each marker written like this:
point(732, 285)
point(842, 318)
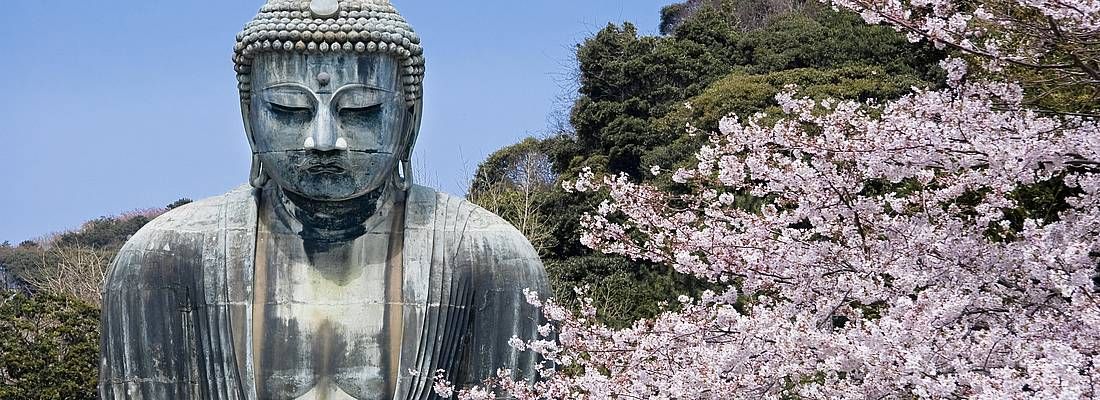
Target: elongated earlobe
point(403, 175)
point(257, 177)
point(403, 172)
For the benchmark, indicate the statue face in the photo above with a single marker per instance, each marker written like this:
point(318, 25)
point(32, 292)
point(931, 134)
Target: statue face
point(327, 126)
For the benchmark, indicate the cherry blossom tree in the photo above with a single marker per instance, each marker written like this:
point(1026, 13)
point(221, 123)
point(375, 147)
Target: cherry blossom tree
point(865, 250)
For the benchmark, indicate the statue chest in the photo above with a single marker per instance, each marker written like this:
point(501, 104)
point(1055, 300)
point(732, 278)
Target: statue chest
point(321, 323)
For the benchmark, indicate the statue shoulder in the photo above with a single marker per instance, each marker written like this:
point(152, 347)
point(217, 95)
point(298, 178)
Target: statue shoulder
point(198, 217)
point(471, 221)
point(489, 244)
point(175, 240)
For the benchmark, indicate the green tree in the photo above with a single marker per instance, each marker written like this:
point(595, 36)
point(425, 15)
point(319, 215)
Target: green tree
point(21, 260)
point(179, 203)
point(104, 232)
point(49, 348)
point(512, 183)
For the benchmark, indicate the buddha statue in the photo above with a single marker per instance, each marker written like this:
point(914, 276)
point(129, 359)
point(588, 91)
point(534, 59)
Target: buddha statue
point(330, 275)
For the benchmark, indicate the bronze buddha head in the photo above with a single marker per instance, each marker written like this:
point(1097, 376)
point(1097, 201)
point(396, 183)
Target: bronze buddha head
point(331, 96)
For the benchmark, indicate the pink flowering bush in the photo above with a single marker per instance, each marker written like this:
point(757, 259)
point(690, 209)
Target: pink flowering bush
point(866, 250)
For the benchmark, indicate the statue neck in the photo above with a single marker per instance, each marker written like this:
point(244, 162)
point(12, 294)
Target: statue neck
point(329, 221)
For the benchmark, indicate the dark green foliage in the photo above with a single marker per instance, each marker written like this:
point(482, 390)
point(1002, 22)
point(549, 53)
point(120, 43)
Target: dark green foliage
point(179, 203)
point(610, 279)
point(565, 227)
point(20, 260)
point(626, 80)
point(49, 348)
point(104, 232)
point(672, 16)
point(1041, 201)
point(820, 38)
point(623, 290)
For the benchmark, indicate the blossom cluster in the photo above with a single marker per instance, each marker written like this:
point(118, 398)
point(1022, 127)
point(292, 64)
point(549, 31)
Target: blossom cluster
point(1052, 35)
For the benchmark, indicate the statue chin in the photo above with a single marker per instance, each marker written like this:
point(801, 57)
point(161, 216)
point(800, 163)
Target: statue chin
point(328, 176)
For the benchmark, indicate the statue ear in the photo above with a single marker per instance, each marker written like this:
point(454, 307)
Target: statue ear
point(413, 116)
point(256, 176)
point(246, 109)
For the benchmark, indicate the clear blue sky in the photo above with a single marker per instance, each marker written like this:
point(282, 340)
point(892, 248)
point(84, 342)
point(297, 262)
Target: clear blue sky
point(109, 106)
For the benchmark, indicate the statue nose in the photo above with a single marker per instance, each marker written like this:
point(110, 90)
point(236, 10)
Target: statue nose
point(324, 135)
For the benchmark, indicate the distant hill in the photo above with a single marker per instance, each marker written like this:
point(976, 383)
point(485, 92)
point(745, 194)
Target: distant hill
point(55, 262)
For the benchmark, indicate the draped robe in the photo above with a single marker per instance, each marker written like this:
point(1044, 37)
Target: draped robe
point(179, 301)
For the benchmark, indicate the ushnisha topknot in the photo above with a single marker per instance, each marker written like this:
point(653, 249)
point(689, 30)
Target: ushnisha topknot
point(324, 26)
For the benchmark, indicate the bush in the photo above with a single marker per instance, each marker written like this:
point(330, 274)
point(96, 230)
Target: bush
point(49, 348)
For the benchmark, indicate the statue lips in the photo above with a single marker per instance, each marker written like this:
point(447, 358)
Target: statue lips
point(327, 168)
point(327, 163)
point(317, 164)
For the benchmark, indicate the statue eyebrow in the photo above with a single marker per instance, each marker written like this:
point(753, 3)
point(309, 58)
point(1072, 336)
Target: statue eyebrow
point(291, 85)
point(360, 86)
point(313, 96)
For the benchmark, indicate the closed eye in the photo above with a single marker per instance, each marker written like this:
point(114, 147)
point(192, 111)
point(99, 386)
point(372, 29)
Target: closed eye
point(360, 116)
point(361, 109)
point(286, 109)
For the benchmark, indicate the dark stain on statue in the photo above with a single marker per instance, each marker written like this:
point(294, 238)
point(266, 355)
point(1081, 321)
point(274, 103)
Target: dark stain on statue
point(323, 349)
point(284, 334)
point(367, 69)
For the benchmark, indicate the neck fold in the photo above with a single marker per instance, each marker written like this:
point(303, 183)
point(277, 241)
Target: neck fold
point(330, 221)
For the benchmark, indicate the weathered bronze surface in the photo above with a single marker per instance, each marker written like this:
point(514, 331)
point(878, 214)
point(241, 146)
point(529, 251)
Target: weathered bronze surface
point(331, 276)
